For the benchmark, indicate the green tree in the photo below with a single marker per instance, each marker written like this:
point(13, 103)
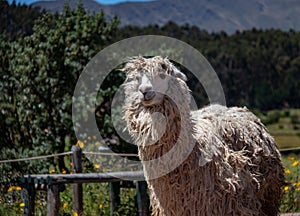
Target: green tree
point(38, 77)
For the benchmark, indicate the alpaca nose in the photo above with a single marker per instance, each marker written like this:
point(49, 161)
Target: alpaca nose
point(149, 95)
point(147, 92)
point(145, 88)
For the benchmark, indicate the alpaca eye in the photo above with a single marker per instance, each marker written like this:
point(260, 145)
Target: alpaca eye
point(162, 76)
point(130, 79)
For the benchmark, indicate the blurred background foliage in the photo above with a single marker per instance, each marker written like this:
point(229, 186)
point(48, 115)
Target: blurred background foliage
point(42, 56)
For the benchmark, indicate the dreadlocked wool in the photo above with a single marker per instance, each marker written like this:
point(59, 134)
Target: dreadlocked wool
point(233, 166)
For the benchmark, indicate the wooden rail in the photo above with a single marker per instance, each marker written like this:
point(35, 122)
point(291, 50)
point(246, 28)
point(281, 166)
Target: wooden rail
point(52, 179)
point(55, 183)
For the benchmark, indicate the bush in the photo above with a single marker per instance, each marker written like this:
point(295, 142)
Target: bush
point(272, 117)
point(295, 119)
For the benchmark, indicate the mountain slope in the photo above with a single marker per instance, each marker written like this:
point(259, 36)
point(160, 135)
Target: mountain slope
point(212, 15)
point(58, 5)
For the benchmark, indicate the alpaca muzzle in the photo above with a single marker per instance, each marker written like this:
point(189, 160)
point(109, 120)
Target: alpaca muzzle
point(149, 95)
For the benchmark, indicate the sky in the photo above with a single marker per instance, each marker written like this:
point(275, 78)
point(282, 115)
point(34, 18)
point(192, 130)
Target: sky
point(100, 1)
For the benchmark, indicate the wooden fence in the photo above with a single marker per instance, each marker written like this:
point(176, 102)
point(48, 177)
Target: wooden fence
point(55, 183)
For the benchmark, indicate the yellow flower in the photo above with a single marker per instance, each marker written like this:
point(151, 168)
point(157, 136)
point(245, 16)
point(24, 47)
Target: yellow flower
point(96, 166)
point(286, 188)
point(97, 143)
point(22, 204)
point(80, 144)
point(52, 171)
point(63, 171)
point(65, 206)
point(295, 163)
point(287, 172)
point(100, 206)
point(297, 183)
point(291, 158)
point(11, 188)
point(18, 188)
point(75, 214)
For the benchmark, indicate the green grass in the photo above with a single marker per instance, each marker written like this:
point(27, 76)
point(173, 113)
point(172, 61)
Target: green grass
point(287, 141)
point(283, 126)
point(291, 198)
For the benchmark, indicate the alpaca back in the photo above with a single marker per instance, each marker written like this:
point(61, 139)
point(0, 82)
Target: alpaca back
point(247, 156)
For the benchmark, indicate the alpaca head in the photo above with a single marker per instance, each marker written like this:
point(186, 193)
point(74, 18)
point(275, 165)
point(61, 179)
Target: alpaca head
point(157, 99)
point(148, 79)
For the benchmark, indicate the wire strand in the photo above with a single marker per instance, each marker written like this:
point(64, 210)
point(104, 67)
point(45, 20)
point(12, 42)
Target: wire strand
point(37, 157)
point(110, 154)
point(96, 153)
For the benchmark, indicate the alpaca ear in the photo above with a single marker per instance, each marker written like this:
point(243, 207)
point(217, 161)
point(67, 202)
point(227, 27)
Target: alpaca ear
point(179, 74)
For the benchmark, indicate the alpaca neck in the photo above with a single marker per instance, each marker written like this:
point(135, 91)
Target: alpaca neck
point(169, 124)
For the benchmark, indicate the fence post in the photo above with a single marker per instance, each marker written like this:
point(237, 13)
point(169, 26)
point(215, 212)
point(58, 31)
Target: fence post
point(142, 198)
point(53, 200)
point(28, 195)
point(77, 188)
point(114, 196)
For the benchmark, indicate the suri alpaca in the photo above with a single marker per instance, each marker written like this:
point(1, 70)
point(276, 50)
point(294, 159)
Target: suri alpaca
point(233, 166)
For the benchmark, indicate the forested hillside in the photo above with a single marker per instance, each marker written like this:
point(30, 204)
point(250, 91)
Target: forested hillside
point(17, 20)
point(257, 68)
point(212, 15)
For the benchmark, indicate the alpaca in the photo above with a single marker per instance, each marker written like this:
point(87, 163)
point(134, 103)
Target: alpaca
point(233, 166)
